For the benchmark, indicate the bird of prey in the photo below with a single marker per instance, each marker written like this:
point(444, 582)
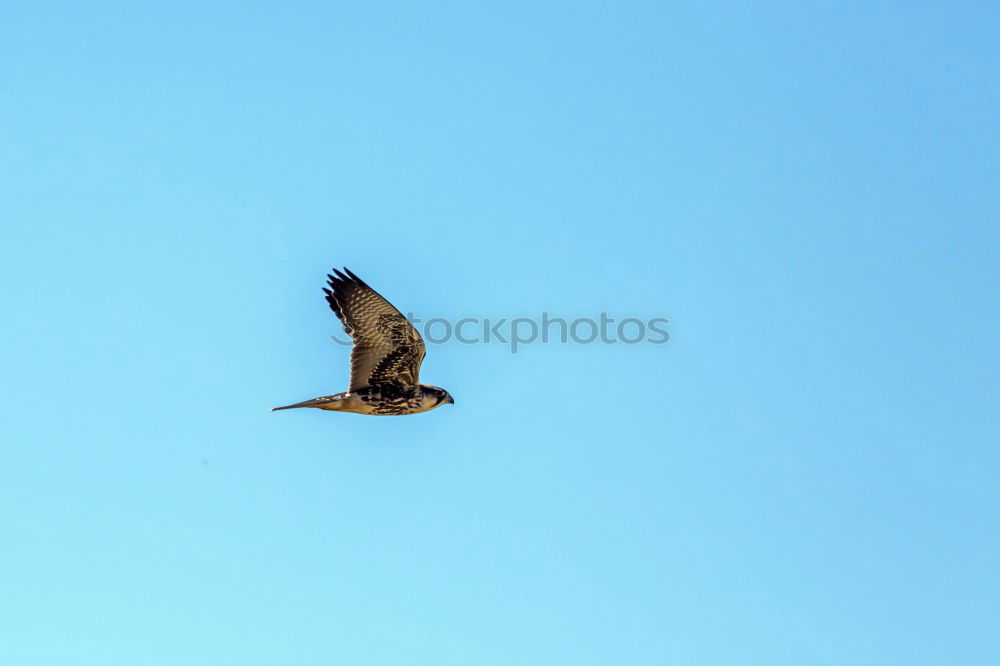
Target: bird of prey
point(385, 361)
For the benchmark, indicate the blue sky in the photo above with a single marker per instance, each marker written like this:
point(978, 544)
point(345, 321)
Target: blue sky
point(806, 473)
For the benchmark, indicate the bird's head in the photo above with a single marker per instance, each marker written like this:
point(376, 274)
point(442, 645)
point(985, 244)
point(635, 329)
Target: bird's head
point(436, 396)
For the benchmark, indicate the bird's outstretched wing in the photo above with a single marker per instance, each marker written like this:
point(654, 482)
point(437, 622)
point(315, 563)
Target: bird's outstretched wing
point(386, 346)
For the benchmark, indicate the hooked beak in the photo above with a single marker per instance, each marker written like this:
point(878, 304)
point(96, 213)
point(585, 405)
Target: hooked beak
point(450, 400)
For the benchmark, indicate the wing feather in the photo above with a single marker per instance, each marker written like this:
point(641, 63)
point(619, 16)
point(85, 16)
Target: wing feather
point(387, 348)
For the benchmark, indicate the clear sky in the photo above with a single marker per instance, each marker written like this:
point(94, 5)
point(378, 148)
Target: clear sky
point(806, 473)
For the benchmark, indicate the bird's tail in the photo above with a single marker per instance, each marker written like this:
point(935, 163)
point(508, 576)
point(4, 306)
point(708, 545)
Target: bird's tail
point(325, 402)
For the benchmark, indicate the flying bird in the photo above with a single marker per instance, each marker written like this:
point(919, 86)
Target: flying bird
point(385, 360)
